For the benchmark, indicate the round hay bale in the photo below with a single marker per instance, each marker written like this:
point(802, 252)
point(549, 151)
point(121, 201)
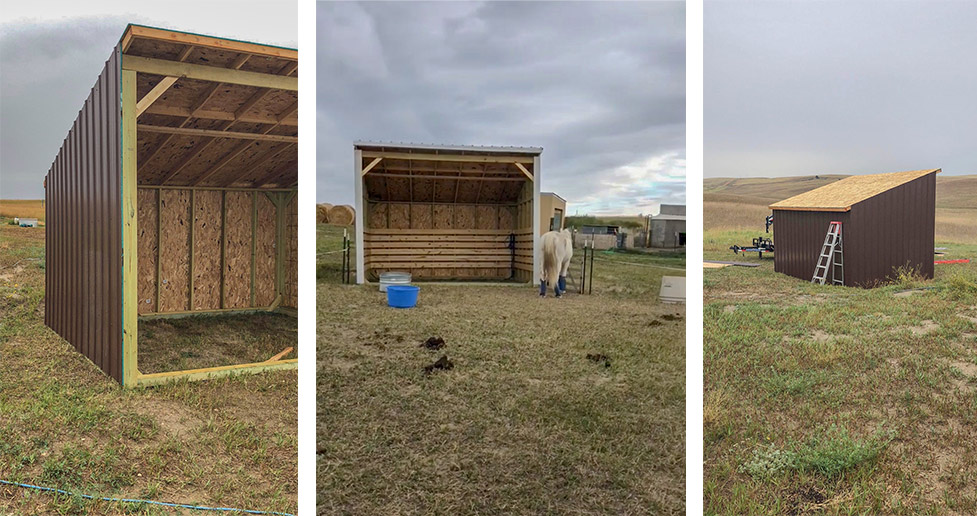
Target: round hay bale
point(322, 212)
point(342, 215)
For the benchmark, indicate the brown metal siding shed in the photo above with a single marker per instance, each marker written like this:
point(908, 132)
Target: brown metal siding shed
point(206, 118)
point(84, 230)
point(882, 231)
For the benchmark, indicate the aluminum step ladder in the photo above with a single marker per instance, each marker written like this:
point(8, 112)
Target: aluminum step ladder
point(832, 257)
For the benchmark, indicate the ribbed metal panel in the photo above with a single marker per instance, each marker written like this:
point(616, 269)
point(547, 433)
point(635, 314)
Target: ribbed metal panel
point(83, 290)
point(880, 234)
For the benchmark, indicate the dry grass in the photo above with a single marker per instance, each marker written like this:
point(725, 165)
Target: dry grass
point(833, 400)
point(524, 423)
point(28, 209)
point(742, 203)
point(178, 344)
point(63, 423)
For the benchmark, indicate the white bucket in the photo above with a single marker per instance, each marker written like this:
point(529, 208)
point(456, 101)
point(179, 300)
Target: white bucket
point(393, 278)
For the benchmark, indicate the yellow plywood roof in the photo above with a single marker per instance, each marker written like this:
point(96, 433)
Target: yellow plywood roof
point(841, 195)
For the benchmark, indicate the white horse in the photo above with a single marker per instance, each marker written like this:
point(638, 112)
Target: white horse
point(557, 247)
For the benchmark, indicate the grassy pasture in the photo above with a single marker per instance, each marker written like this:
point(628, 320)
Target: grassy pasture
point(524, 423)
point(29, 209)
point(63, 423)
point(829, 400)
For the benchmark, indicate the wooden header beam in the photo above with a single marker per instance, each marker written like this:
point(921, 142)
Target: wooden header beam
point(448, 157)
point(183, 38)
point(453, 178)
point(217, 134)
point(208, 73)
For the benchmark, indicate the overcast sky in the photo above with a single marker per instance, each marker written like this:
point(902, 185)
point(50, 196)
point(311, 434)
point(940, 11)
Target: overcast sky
point(600, 86)
point(810, 88)
point(51, 55)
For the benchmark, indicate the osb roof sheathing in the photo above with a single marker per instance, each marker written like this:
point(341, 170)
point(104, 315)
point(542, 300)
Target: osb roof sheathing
point(842, 195)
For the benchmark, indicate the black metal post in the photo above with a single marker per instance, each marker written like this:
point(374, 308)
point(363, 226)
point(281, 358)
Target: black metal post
point(590, 289)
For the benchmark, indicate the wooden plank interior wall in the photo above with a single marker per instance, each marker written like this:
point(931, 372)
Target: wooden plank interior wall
point(446, 241)
point(233, 253)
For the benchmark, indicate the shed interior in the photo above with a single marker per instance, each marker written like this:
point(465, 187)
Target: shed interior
point(217, 173)
point(448, 214)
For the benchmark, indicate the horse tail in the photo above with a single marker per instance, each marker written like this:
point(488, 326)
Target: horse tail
point(551, 264)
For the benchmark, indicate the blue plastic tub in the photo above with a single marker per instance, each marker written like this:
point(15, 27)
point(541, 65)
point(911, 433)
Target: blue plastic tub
point(402, 296)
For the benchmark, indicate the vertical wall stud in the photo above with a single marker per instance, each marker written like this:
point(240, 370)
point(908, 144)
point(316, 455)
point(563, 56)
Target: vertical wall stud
point(223, 242)
point(254, 240)
point(159, 246)
point(193, 216)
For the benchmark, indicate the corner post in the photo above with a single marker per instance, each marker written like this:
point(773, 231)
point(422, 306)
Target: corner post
point(358, 194)
point(130, 318)
point(536, 254)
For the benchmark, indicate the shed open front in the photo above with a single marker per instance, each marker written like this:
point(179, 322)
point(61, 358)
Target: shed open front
point(187, 152)
point(447, 213)
point(216, 169)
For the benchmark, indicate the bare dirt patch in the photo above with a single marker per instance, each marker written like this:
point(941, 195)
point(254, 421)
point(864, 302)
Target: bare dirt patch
point(925, 327)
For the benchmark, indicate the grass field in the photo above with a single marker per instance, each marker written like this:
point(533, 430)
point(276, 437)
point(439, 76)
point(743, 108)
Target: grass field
point(28, 209)
point(829, 400)
point(64, 424)
point(524, 423)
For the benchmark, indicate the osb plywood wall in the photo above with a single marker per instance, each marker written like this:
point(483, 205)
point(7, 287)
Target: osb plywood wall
point(264, 263)
point(290, 296)
point(237, 249)
point(148, 240)
point(232, 232)
point(206, 250)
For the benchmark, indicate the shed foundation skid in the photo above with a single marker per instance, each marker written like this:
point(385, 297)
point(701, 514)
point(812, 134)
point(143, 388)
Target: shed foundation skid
point(176, 188)
point(447, 213)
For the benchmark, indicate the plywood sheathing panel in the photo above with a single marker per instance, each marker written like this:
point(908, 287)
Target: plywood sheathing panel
point(229, 97)
point(291, 295)
point(205, 160)
point(443, 216)
point(262, 64)
point(148, 236)
point(240, 164)
point(207, 250)
point(155, 48)
point(377, 218)
point(184, 93)
point(174, 295)
point(212, 57)
point(237, 250)
point(421, 216)
point(264, 277)
point(399, 216)
point(274, 103)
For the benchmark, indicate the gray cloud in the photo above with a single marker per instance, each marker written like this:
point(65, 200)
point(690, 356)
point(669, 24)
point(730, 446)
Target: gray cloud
point(600, 86)
point(839, 87)
point(51, 57)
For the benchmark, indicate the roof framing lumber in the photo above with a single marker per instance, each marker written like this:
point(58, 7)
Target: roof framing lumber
point(259, 161)
point(370, 166)
point(464, 158)
point(139, 31)
point(524, 171)
point(286, 119)
point(217, 134)
point(453, 178)
point(154, 94)
point(208, 73)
